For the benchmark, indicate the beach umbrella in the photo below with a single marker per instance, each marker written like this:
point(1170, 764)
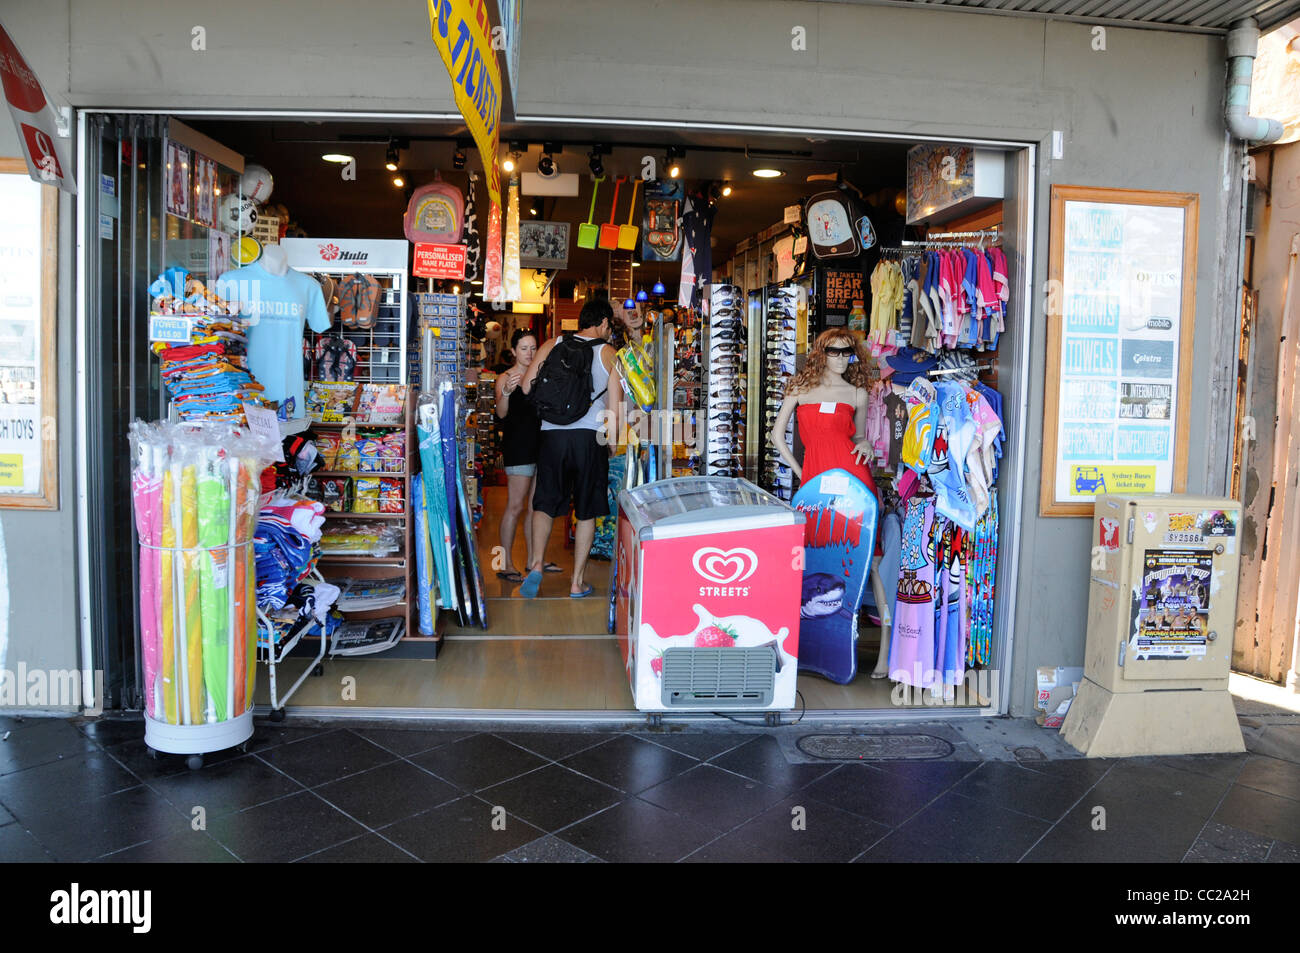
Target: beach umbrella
point(146, 490)
point(168, 589)
point(213, 517)
point(192, 617)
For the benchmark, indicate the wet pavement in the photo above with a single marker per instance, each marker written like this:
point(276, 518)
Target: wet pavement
point(89, 790)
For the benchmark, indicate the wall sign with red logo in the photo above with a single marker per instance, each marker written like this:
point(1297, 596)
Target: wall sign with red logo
point(47, 156)
point(346, 254)
point(439, 261)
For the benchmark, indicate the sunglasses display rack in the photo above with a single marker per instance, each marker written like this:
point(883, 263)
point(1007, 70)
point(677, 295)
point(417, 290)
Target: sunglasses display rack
point(779, 347)
point(724, 421)
point(685, 379)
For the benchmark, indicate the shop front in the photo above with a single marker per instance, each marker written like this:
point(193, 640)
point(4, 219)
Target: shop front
point(948, 170)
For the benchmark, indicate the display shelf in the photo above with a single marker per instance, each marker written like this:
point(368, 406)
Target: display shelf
point(334, 514)
point(361, 566)
point(398, 474)
point(360, 425)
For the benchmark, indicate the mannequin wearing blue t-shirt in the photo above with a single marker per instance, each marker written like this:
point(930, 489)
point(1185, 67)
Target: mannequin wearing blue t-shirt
point(277, 303)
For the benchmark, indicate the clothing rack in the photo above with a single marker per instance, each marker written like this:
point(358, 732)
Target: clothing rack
point(943, 240)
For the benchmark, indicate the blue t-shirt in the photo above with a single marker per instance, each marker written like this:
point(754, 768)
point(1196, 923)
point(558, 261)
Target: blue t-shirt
point(276, 308)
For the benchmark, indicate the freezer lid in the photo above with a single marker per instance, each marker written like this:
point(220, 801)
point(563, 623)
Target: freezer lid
point(686, 505)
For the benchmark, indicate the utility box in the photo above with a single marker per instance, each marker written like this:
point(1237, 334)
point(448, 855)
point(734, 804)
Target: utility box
point(1162, 603)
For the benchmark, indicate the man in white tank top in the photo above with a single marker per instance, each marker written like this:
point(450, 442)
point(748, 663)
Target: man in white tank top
point(573, 459)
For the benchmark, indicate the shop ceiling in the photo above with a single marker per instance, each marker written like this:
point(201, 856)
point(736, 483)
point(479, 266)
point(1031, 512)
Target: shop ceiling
point(326, 205)
point(1209, 16)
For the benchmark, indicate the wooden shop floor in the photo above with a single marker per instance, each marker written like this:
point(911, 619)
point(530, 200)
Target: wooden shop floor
point(551, 653)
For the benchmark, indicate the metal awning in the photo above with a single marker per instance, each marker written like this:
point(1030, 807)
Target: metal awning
point(1205, 16)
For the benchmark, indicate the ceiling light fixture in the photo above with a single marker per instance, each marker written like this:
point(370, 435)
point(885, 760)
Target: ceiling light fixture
point(659, 288)
point(726, 189)
point(546, 165)
point(629, 305)
point(768, 173)
point(508, 164)
point(532, 210)
point(642, 296)
point(339, 157)
point(399, 181)
point(392, 157)
point(670, 164)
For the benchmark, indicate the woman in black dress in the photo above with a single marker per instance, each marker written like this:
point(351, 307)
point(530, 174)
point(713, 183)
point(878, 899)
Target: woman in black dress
point(521, 434)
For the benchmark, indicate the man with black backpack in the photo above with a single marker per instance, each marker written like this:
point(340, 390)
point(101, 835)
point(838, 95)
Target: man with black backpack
point(569, 385)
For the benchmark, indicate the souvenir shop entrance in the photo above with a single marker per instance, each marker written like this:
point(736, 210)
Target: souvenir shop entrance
point(915, 253)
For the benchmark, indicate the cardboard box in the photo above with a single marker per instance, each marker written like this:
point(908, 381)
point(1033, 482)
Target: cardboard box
point(1056, 689)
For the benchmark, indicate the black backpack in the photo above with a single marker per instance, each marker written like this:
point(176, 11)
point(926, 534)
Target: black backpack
point(561, 392)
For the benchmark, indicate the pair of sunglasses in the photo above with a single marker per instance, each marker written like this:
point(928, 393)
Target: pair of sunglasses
point(842, 351)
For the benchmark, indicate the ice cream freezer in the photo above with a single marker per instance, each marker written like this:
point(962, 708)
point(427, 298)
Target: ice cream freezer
point(707, 597)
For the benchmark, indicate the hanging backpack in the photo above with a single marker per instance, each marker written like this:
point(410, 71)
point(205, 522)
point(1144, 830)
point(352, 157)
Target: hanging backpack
point(561, 393)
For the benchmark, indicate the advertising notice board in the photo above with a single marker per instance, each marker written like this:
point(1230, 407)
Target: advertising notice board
point(28, 275)
point(1120, 307)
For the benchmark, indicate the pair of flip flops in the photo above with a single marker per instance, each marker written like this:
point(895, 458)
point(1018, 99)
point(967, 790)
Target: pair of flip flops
point(358, 301)
point(519, 577)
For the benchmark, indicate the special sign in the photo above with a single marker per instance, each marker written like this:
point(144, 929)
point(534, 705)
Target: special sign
point(462, 32)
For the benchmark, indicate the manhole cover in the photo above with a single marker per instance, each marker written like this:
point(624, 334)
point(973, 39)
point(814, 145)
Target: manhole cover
point(875, 747)
point(1029, 754)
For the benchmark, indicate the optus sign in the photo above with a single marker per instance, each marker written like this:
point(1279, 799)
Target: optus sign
point(462, 32)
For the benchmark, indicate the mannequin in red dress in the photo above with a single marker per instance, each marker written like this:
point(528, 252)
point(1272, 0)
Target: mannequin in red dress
point(829, 400)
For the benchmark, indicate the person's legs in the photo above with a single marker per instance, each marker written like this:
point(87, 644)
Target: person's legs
point(518, 493)
point(584, 532)
point(591, 499)
point(542, 523)
point(528, 519)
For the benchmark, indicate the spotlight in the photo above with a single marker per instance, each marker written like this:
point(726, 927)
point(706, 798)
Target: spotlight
point(659, 288)
point(508, 164)
point(629, 305)
point(392, 157)
point(339, 157)
point(399, 182)
point(455, 289)
point(458, 157)
point(642, 296)
point(674, 168)
point(594, 163)
point(726, 189)
point(768, 173)
point(532, 210)
point(546, 165)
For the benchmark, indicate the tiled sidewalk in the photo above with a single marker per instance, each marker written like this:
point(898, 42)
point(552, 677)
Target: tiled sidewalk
point(88, 790)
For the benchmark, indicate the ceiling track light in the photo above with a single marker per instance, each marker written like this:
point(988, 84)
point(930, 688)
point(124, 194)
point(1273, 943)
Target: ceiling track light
point(392, 157)
point(726, 189)
point(674, 168)
point(594, 161)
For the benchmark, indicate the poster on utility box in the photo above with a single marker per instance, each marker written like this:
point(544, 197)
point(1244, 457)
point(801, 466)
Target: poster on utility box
point(1173, 607)
point(1121, 304)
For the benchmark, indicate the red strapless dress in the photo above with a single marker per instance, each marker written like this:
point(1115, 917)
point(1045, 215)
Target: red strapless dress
point(828, 442)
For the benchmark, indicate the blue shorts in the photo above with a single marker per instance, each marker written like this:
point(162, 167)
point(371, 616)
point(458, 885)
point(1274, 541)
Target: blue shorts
point(523, 469)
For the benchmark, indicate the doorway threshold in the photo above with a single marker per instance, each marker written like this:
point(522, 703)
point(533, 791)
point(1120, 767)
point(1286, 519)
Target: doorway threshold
point(627, 717)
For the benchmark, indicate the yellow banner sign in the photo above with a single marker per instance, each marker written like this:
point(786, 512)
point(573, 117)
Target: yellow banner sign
point(462, 32)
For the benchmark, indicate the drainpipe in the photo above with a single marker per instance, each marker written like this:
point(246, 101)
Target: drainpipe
point(1243, 44)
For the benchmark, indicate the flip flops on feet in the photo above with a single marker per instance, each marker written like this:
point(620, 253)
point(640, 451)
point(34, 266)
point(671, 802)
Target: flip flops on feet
point(515, 576)
point(581, 595)
point(551, 567)
point(532, 582)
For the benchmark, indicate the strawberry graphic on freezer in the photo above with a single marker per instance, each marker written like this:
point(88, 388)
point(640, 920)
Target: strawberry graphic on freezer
point(712, 631)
